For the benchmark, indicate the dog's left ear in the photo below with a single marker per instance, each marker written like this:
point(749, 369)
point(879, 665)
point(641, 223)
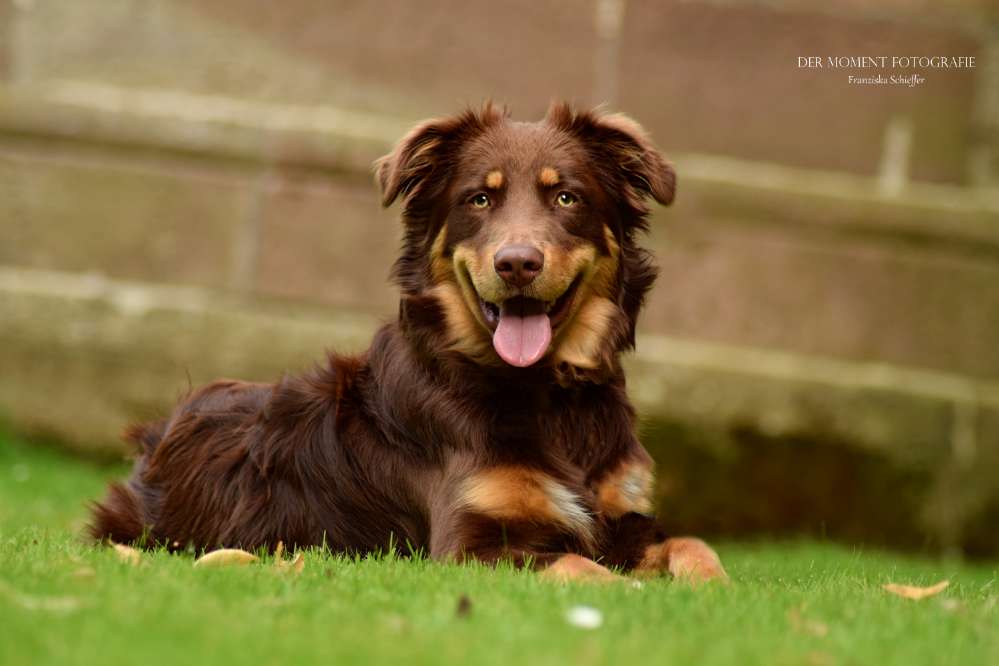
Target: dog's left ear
point(620, 143)
point(643, 165)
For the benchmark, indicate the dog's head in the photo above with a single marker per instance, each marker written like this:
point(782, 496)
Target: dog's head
point(519, 238)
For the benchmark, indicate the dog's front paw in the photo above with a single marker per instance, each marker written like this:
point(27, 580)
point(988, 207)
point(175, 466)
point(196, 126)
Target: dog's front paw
point(578, 568)
point(684, 558)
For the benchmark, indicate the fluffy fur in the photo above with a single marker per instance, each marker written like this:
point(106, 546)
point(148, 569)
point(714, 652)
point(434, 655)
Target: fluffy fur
point(429, 440)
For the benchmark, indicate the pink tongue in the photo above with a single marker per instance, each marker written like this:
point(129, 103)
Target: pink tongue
point(523, 334)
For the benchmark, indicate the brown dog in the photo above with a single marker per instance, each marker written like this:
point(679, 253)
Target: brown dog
point(490, 421)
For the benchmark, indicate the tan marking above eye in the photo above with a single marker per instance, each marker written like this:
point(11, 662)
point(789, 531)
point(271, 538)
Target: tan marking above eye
point(548, 176)
point(521, 493)
point(494, 179)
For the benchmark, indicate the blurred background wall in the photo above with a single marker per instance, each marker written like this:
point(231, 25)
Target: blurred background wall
point(185, 192)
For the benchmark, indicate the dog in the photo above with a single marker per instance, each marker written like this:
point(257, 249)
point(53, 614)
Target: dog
point(488, 422)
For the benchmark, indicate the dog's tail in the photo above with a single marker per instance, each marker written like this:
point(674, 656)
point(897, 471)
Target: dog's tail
point(146, 435)
point(120, 516)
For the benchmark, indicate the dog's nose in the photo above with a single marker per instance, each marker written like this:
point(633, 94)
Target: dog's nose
point(518, 265)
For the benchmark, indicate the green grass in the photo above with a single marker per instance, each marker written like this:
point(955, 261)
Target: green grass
point(63, 601)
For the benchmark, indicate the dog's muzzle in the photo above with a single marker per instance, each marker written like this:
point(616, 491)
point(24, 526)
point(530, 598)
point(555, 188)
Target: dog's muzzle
point(522, 326)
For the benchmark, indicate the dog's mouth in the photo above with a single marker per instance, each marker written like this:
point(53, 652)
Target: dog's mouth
point(522, 327)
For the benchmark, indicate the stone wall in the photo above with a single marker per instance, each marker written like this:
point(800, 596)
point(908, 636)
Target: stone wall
point(185, 193)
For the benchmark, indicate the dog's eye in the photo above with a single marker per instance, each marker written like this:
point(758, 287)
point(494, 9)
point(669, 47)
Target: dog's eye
point(480, 201)
point(566, 199)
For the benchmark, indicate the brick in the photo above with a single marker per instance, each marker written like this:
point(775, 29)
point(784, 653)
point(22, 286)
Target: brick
point(124, 219)
point(412, 61)
point(83, 356)
point(837, 279)
point(723, 78)
point(330, 242)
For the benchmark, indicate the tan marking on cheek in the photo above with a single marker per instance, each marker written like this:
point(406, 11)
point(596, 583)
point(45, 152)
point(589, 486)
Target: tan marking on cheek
point(464, 333)
point(440, 268)
point(548, 176)
point(519, 493)
point(494, 179)
point(580, 345)
point(628, 488)
point(561, 268)
point(479, 267)
point(603, 278)
point(565, 266)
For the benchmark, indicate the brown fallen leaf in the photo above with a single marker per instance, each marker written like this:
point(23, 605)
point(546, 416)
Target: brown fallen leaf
point(127, 554)
point(913, 592)
point(225, 557)
point(294, 566)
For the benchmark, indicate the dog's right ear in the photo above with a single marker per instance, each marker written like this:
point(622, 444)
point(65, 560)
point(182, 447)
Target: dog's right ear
point(426, 153)
point(412, 160)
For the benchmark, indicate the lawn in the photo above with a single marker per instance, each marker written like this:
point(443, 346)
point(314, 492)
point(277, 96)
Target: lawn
point(63, 601)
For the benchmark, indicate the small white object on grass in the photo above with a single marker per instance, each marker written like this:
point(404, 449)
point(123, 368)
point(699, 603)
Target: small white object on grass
point(584, 617)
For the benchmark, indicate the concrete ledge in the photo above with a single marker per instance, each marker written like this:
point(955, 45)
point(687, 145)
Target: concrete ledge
point(222, 128)
point(81, 356)
point(167, 330)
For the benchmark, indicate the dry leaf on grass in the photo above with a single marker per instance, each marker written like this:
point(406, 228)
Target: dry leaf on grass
point(913, 592)
point(295, 566)
point(127, 554)
point(225, 557)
